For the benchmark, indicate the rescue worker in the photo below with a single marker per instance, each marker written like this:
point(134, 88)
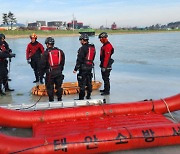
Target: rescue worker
point(4, 54)
point(52, 63)
point(34, 51)
point(106, 61)
point(84, 65)
point(4, 47)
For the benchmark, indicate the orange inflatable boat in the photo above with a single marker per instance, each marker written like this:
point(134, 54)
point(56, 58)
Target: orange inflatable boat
point(68, 88)
point(93, 129)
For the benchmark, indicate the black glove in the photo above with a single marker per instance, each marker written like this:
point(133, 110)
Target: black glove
point(12, 55)
point(10, 51)
point(28, 61)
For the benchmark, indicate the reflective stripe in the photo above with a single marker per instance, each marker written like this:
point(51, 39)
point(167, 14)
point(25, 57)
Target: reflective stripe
point(90, 55)
point(51, 60)
point(59, 57)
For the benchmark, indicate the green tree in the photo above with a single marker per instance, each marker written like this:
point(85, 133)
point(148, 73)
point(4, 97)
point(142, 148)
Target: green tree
point(5, 19)
point(9, 19)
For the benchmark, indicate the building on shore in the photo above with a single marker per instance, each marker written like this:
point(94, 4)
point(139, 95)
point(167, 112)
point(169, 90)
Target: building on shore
point(57, 24)
point(74, 25)
point(52, 25)
point(36, 25)
point(114, 26)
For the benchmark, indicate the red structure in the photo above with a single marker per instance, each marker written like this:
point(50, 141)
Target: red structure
point(74, 24)
point(93, 129)
point(114, 26)
point(48, 28)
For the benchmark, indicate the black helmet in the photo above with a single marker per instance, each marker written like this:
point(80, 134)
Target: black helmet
point(2, 36)
point(49, 40)
point(84, 37)
point(103, 34)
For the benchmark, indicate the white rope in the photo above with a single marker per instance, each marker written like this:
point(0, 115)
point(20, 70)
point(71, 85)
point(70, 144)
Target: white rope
point(169, 110)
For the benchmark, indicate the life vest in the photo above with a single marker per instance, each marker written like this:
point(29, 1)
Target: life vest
point(105, 54)
point(33, 49)
point(54, 58)
point(2, 48)
point(91, 54)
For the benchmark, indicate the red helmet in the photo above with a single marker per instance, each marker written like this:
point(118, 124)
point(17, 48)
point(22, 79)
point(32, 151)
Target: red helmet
point(33, 35)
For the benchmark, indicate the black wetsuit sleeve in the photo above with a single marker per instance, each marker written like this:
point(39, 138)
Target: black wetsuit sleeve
point(81, 57)
point(4, 54)
point(62, 60)
point(44, 61)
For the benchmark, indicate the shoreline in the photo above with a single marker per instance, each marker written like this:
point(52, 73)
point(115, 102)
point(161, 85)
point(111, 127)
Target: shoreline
point(40, 35)
point(52, 34)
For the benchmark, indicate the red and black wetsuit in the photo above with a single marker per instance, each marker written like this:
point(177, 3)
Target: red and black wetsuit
point(33, 52)
point(84, 76)
point(53, 75)
point(106, 64)
point(4, 54)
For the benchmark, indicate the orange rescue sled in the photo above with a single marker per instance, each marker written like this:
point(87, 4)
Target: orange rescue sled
point(68, 88)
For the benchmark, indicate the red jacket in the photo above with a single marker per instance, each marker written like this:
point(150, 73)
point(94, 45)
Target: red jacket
point(105, 54)
point(32, 48)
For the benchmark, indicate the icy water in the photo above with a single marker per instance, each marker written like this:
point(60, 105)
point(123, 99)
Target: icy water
point(147, 66)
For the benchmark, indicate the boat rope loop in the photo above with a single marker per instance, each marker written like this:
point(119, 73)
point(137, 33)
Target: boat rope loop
point(169, 110)
point(36, 101)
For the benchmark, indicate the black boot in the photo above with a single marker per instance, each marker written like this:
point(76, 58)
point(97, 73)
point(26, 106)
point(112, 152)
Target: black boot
point(101, 91)
point(7, 89)
point(88, 96)
point(51, 100)
point(41, 81)
point(59, 99)
point(105, 93)
point(37, 77)
point(81, 95)
point(35, 81)
point(2, 93)
point(79, 99)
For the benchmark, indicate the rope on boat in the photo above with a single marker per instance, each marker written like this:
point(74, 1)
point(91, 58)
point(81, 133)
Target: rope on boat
point(35, 102)
point(80, 142)
point(169, 110)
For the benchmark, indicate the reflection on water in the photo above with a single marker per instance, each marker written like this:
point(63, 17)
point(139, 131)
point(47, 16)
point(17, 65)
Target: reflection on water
point(147, 66)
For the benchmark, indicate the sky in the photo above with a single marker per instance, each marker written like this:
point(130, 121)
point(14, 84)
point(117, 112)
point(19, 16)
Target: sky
point(95, 13)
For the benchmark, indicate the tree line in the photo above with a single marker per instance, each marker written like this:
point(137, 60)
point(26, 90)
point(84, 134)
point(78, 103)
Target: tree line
point(9, 19)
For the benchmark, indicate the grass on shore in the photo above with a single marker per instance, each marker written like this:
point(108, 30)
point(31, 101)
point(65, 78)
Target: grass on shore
point(26, 33)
